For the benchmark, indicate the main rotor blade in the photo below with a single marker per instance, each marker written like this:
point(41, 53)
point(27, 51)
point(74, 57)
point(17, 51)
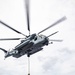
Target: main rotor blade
point(4, 39)
point(11, 28)
point(52, 33)
point(27, 12)
point(60, 20)
point(55, 40)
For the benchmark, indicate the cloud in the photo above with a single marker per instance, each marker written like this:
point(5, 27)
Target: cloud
point(51, 62)
point(4, 71)
point(62, 64)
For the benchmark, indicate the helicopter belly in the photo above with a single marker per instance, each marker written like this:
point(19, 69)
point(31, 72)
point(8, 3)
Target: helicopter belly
point(35, 50)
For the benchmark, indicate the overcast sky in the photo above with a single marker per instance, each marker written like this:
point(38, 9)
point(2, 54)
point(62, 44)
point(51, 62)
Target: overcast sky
point(55, 59)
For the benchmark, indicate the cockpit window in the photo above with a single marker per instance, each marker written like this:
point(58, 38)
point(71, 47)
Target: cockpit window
point(32, 36)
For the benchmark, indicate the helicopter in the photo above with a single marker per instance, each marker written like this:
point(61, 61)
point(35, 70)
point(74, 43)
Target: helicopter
point(32, 43)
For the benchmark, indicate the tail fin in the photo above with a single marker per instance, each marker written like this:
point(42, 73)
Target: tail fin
point(3, 50)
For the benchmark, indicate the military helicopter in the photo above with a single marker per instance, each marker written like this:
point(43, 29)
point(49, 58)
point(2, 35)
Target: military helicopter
point(32, 43)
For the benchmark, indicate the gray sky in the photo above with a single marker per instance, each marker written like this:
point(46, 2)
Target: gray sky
point(55, 59)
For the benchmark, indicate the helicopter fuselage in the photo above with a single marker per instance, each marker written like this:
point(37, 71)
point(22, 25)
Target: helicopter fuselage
point(29, 46)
